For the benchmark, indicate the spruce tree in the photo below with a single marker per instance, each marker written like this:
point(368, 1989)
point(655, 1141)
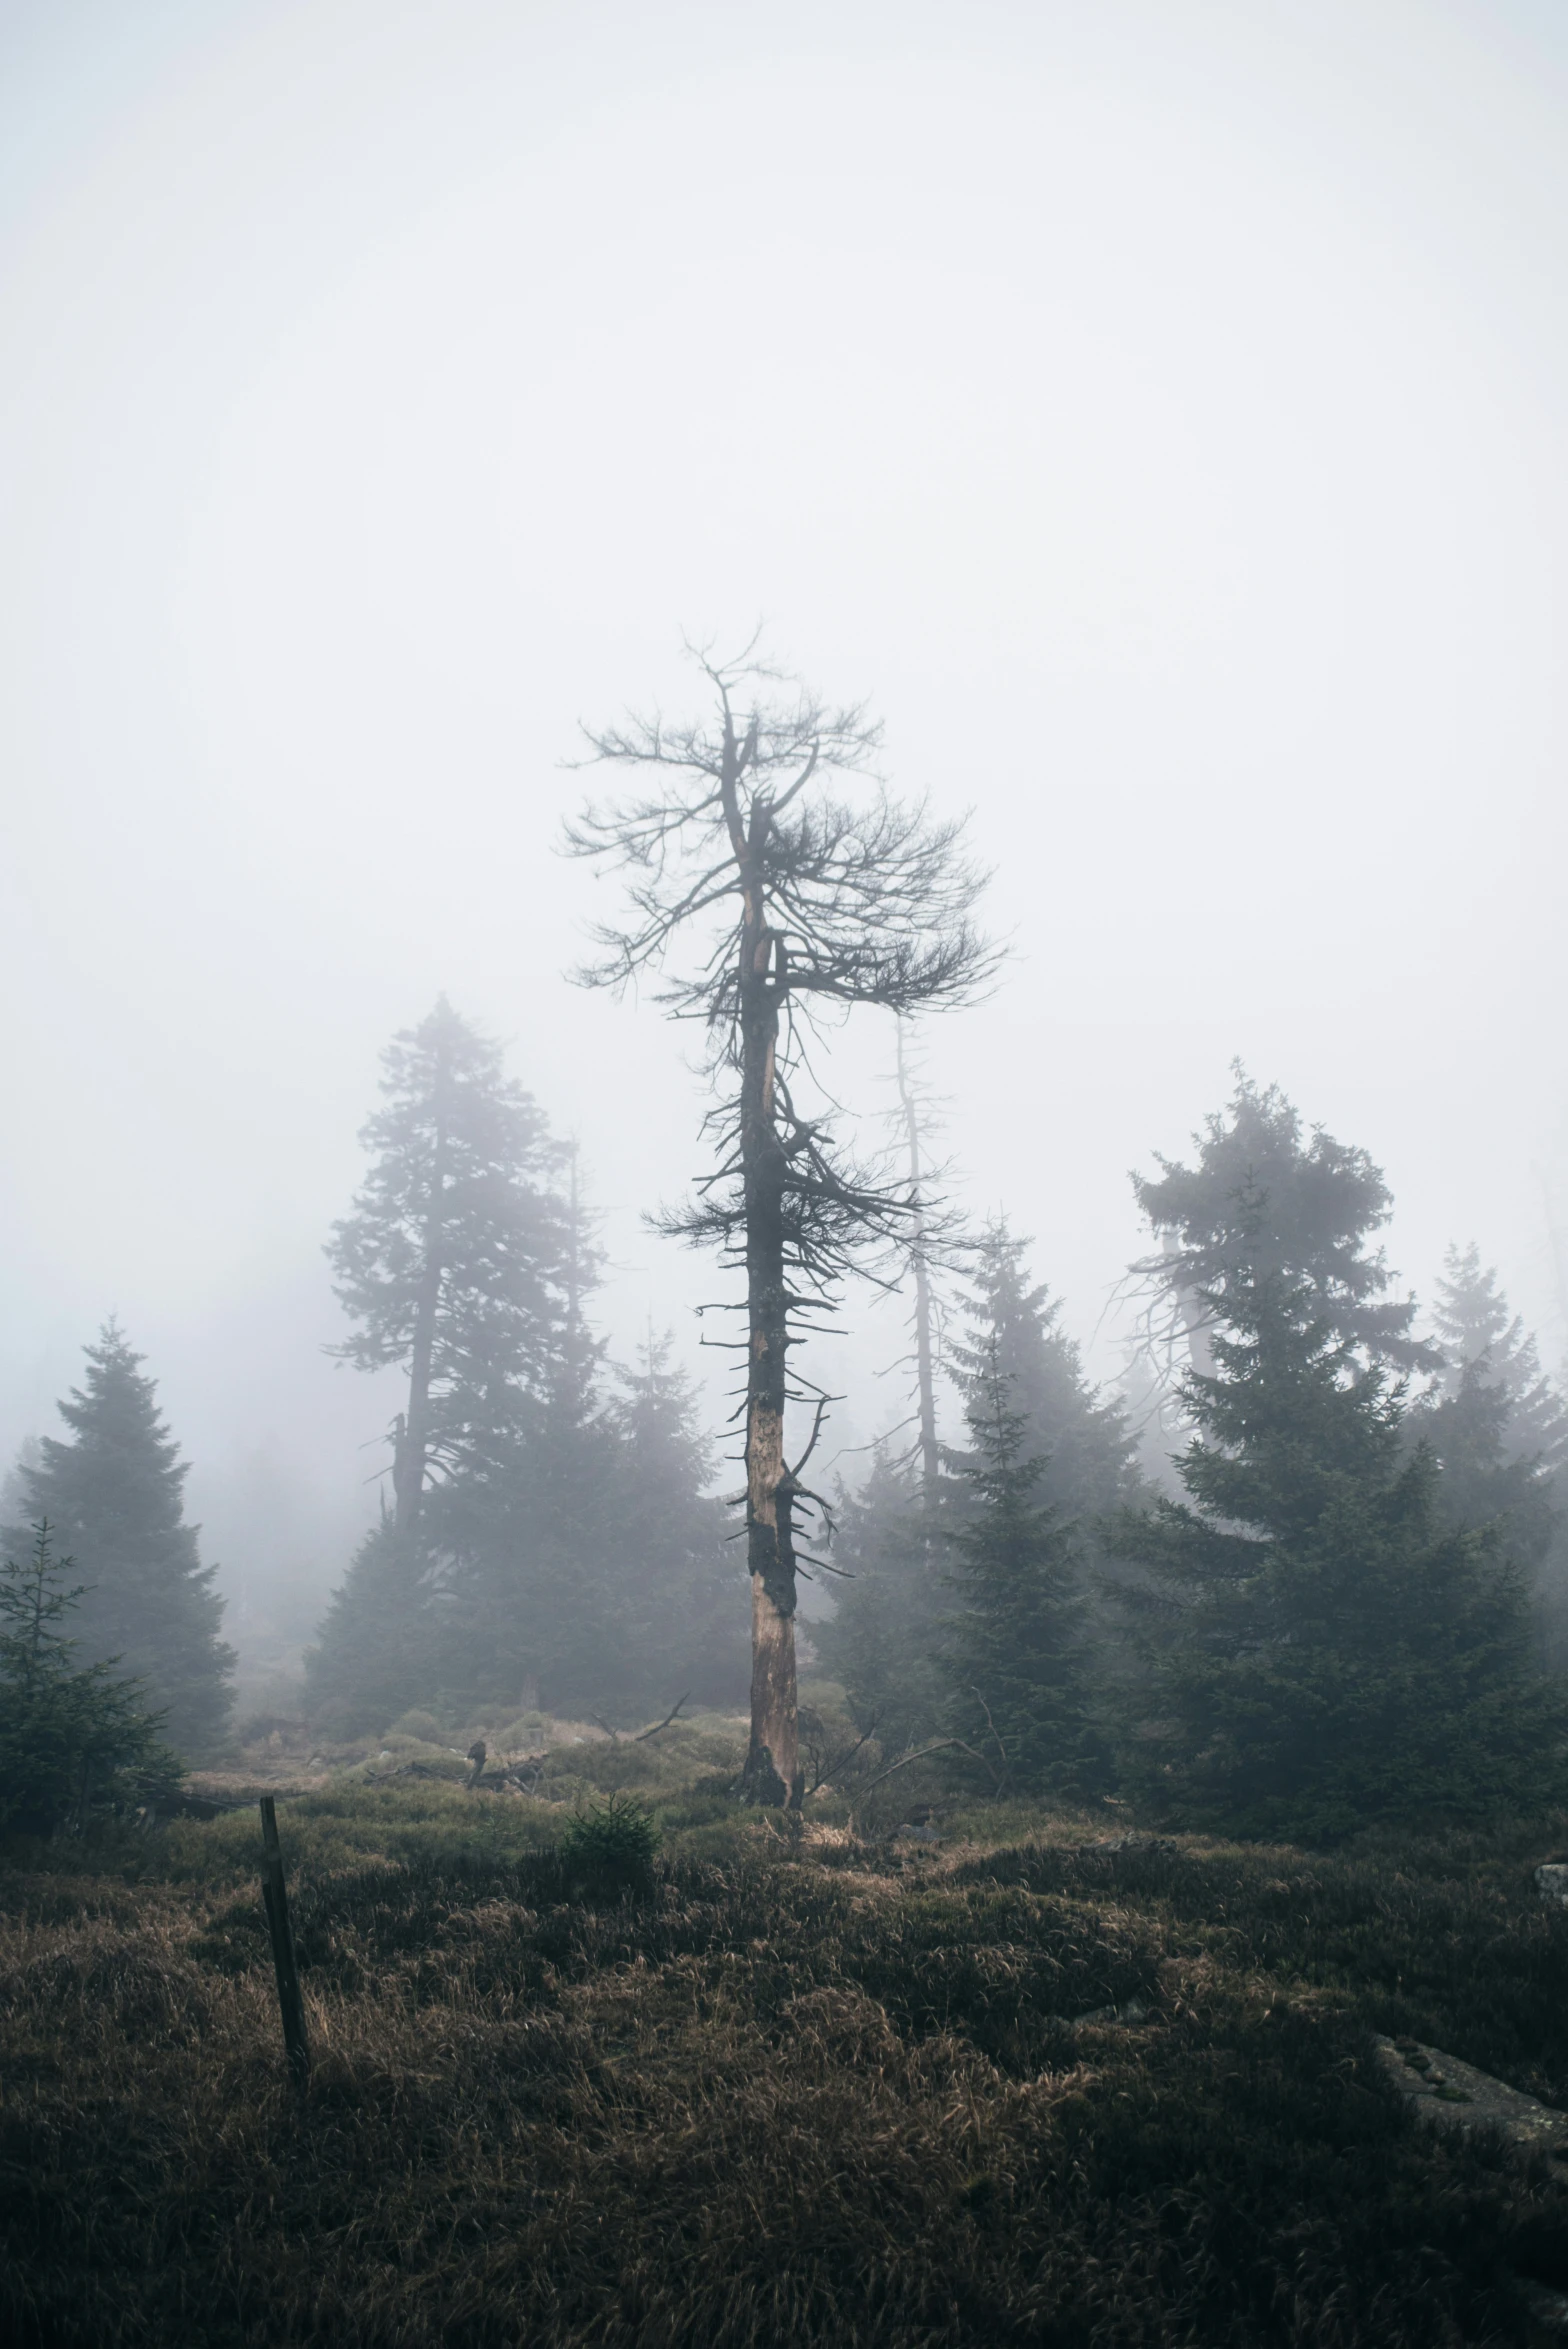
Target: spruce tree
point(1264, 1198)
point(1015, 1650)
point(453, 1268)
point(113, 1495)
point(450, 1264)
point(524, 1524)
point(1013, 1331)
point(380, 1648)
point(1323, 1649)
point(1499, 1431)
point(583, 1558)
point(673, 1572)
point(72, 1738)
point(1480, 1339)
point(882, 1642)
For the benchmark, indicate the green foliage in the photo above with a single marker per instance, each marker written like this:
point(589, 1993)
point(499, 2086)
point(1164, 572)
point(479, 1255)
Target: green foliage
point(1263, 1201)
point(1013, 1332)
point(587, 1558)
point(1323, 1650)
point(1019, 1676)
point(885, 1640)
point(610, 1845)
point(459, 1202)
point(113, 1496)
point(73, 1740)
point(1500, 1434)
point(377, 1652)
point(564, 1544)
point(881, 1641)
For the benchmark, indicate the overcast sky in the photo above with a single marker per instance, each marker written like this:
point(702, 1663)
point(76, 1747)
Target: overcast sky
point(1154, 409)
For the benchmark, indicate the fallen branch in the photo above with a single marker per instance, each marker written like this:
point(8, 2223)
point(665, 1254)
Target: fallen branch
point(942, 1746)
point(643, 1734)
point(831, 1769)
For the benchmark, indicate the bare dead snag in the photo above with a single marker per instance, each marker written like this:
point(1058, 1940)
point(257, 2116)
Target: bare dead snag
point(805, 900)
point(925, 1353)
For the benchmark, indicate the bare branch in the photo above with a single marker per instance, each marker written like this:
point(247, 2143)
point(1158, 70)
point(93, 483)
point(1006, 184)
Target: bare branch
point(644, 1734)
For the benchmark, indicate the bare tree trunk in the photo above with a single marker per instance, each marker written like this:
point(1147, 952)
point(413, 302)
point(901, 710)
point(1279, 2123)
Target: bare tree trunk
point(925, 1378)
point(1200, 1344)
point(772, 1773)
point(411, 1444)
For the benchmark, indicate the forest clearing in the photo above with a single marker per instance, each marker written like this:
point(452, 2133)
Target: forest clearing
point(1024, 2076)
point(784, 1385)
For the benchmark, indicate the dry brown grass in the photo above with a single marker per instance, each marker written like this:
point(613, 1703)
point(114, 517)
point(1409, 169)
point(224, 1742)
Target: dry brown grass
point(823, 2099)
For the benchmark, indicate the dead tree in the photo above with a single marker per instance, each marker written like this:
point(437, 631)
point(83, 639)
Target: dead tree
point(920, 1267)
point(803, 899)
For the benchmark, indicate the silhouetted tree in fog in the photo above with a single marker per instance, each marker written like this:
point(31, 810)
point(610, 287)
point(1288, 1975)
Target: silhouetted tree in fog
point(451, 1262)
point(566, 1557)
point(1014, 1648)
point(71, 1735)
point(1012, 1326)
point(800, 900)
point(1321, 1200)
point(113, 1499)
point(1500, 1433)
point(1323, 1646)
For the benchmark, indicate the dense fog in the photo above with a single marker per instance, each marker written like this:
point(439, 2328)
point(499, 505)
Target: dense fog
point(1151, 410)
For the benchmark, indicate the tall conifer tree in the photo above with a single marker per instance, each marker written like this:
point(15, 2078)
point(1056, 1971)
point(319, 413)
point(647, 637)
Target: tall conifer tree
point(1014, 1332)
point(1500, 1434)
point(1015, 1649)
point(451, 1264)
point(885, 1639)
point(1264, 1198)
point(113, 1496)
point(1323, 1649)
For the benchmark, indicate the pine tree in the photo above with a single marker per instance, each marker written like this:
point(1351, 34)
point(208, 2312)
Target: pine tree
point(883, 1639)
point(1480, 1337)
point(673, 1572)
point(453, 1264)
point(1263, 1199)
point(1500, 1434)
point(451, 1261)
point(1014, 1332)
point(1016, 1658)
point(524, 1522)
point(380, 1649)
point(113, 1494)
point(1323, 1649)
point(72, 1738)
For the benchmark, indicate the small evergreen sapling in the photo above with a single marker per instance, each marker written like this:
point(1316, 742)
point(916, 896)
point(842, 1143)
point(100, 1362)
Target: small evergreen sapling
point(1016, 1657)
point(72, 1738)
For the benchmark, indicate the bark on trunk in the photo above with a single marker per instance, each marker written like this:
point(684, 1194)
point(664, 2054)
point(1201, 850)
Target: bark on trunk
point(925, 1376)
point(411, 1447)
point(772, 1774)
point(1200, 1344)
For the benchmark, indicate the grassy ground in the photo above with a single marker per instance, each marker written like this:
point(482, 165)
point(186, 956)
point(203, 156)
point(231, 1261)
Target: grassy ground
point(835, 2089)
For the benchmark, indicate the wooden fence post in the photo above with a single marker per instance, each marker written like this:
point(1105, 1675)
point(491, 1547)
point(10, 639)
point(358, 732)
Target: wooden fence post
point(274, 1895)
